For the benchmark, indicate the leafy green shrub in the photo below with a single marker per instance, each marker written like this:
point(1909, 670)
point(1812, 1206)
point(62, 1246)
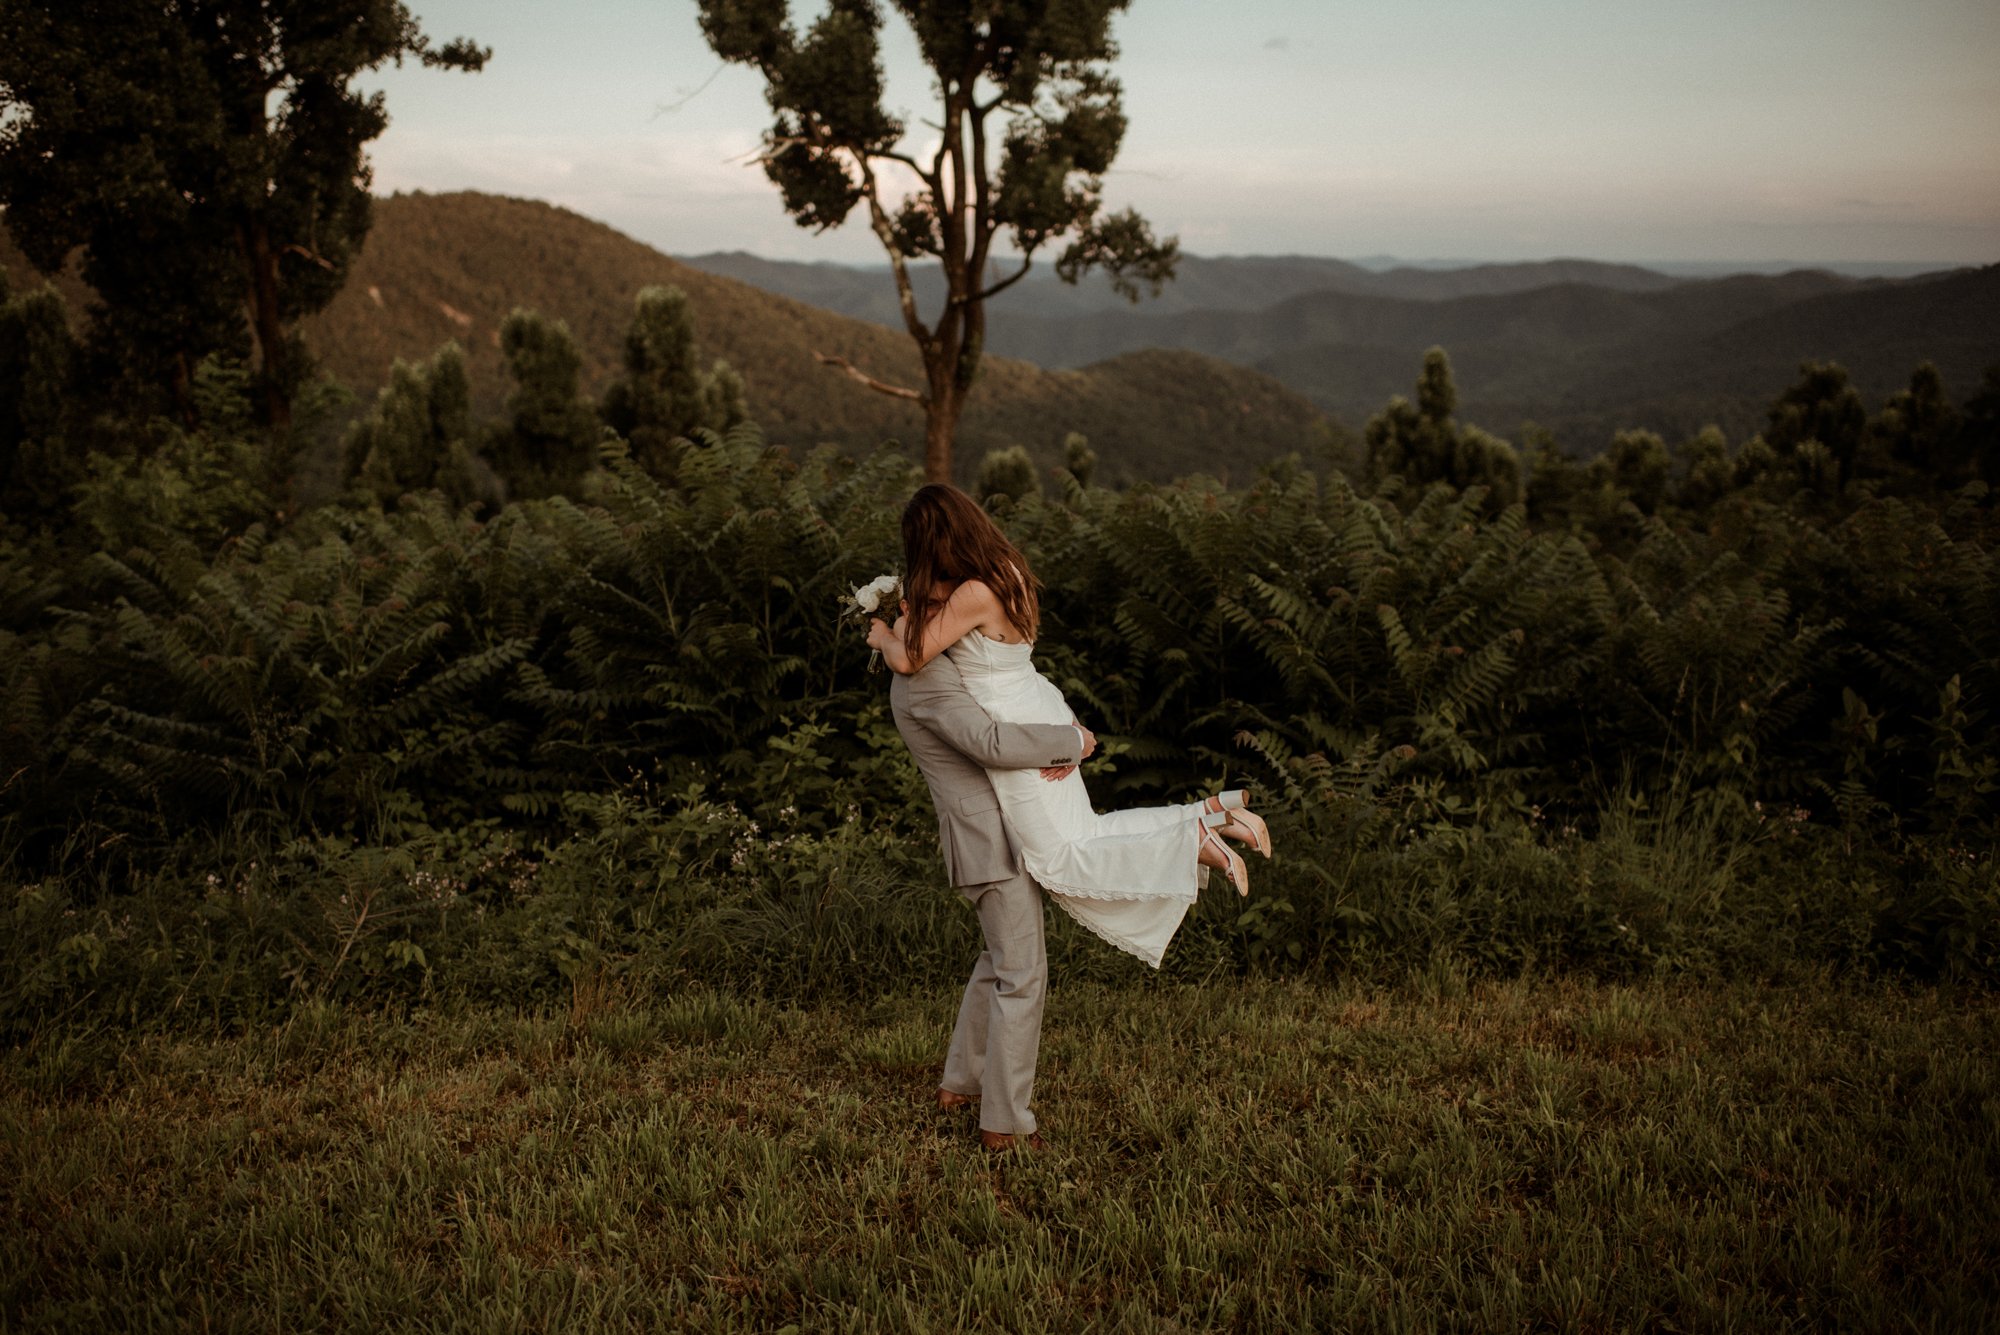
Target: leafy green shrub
point(623, 734)
point(419, 436)
point(1007, 476)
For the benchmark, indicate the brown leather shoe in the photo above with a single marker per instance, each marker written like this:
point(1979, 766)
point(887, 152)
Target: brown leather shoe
point(999, 1142)
point(949, 1101)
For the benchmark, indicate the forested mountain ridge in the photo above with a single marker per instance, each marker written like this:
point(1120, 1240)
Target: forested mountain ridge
point(1579, 347)
point(1578, 358)
point(1161, 391)
point(1214, 283)
point(440, 267)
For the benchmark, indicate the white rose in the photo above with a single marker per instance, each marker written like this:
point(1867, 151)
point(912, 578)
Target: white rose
point(870, 595)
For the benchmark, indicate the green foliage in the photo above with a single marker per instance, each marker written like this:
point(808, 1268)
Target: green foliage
point(1045, 67)
point(1423, 443)
point(550, 433)
point(662, 396)
point(1819, 423)
point(37, 354)
point(1008, 475)
point(697, 618)
point(1919, 429)
point(176, 504)
point(194, 157)
point(1710, 472)
point(1079, 459)
point(1982, 428)
point(1638, 464)
point(418, 437)
point(1050, 73)
point(626, 725)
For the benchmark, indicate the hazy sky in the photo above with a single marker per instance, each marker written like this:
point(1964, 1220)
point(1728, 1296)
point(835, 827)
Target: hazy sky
point(1842, 130)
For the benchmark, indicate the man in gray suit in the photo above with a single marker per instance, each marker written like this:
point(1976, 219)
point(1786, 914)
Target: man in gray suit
point(999, 1029)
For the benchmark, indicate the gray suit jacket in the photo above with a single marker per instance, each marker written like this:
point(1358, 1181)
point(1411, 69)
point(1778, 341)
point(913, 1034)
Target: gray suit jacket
point(955, 742)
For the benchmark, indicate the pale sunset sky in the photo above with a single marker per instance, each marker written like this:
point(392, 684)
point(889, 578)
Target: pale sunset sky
point(1701, 130)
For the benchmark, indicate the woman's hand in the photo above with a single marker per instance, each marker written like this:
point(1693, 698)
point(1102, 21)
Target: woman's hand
point(884, 640)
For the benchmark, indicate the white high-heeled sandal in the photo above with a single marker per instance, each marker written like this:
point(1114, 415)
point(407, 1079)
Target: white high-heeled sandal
point(1235, 805)
point(1234, 867)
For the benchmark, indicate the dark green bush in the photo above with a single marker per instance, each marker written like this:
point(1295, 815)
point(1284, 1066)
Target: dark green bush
point(370, 752)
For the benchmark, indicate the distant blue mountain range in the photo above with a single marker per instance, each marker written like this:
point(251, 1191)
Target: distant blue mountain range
point(1580, 347)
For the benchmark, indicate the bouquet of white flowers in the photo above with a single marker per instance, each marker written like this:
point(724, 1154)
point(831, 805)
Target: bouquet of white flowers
point(884, 591)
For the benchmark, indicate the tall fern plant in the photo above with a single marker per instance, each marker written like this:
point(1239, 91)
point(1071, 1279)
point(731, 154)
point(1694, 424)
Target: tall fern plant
point(699, 611)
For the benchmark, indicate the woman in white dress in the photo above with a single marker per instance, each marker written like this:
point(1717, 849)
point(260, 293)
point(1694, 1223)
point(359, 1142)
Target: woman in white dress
point(1129, 876)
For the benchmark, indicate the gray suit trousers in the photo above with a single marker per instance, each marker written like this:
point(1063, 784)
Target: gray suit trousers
point(954, 743)
point(999, 1029)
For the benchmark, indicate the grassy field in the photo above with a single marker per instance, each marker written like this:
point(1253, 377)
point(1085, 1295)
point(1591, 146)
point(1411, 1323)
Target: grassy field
point(1552, 1153)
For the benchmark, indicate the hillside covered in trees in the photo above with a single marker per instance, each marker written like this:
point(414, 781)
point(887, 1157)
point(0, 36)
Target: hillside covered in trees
point(1579, 348)
point(451, 267)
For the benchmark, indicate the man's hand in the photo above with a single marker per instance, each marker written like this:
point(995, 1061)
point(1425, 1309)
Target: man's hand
point(1057, 773)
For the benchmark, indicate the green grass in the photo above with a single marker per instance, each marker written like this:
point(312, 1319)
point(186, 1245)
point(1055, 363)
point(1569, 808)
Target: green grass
point(1553, 1153)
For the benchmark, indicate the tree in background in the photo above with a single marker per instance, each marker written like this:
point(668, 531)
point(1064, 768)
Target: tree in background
point(207, 156)
point(1041, 63)
point(662, 394)
point(1638, 464)
point(548, 440)
point(418, 437)
point(1920, 429)
point(1079, 458)
point(1817, 423)
point(36, 355)
point(1007, 472)
point(1423, 443)
point(1711, 473)
point(1981, 428)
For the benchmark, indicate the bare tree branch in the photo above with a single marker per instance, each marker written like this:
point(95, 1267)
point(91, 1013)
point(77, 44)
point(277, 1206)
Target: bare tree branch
point(878, 218)
point(303, 253)
point(854, 372)
point(983, 225)
point(1027, 263)
point(913, 165)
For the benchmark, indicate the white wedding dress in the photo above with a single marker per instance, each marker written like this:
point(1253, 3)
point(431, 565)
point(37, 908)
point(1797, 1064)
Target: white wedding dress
point(1129, 876)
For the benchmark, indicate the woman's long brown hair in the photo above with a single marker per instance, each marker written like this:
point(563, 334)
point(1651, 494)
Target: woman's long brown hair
point(949, 538)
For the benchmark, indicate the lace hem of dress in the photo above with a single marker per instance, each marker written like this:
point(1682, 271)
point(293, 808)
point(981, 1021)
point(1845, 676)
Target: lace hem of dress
point(1112, 938)
point(1056, 887)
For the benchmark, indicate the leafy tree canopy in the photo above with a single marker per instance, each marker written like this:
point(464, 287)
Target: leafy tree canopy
point(1043, 65)
point(663, 395)
point(1423, 443)
point(207, 158)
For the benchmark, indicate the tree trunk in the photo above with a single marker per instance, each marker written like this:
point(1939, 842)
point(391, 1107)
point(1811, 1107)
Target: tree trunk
point(255, 239)
point(942, 407)
point(940, 425)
